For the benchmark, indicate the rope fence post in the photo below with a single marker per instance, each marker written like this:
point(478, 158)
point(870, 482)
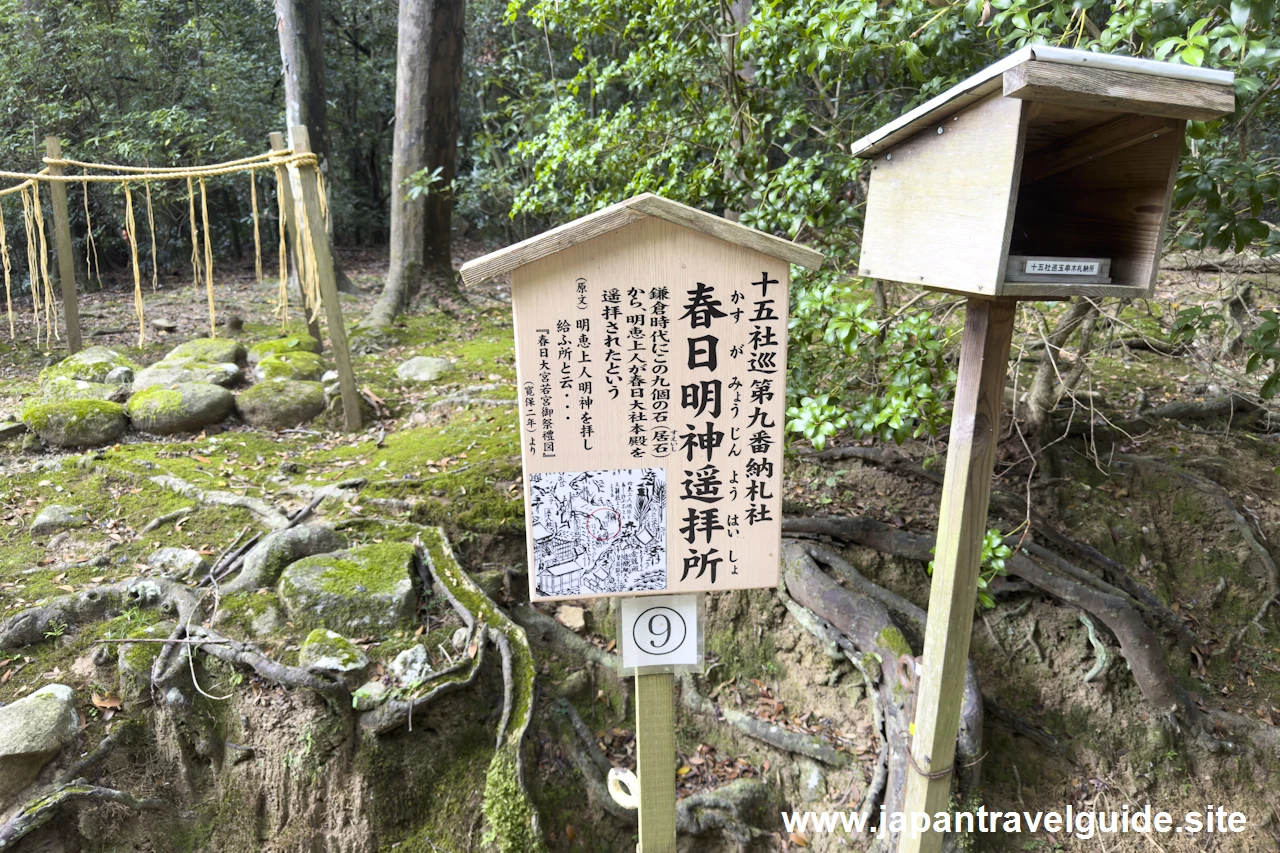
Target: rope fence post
point(66, 258)
point(285, 188)
point(309, 180)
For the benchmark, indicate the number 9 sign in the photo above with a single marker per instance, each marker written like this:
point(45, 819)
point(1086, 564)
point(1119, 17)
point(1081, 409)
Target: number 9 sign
point(659, 633)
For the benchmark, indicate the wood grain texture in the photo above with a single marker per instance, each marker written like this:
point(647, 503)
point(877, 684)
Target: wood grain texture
point(1115, 206)
point(1123, 91)
point(940, 206)
point(66, 256)
point(648, 253)
point(285, 187)
point(622, 214)
point(656, 761)
point(988, 80)
point(962, 524)
point(1093, 143)
point(310, 186)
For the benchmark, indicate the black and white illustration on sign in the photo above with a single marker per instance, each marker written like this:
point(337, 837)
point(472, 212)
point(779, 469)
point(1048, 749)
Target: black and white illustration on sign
point(599, 531)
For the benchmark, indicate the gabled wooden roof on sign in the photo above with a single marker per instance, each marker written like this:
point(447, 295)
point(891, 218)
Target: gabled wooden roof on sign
point(991, 79)
point(624, 213)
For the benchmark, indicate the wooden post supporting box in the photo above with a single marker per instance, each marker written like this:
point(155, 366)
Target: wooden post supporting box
point(1047, 175)
point(1052, 154)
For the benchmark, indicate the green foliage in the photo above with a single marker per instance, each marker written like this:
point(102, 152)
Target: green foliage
point(995, 553)
point(586, 103)
point(1264, 344)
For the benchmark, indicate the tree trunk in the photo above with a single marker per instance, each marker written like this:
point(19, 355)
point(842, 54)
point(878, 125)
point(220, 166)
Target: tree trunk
point(301, 27)
point(428, 79)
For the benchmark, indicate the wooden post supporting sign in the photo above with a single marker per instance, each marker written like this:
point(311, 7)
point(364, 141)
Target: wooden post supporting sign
point(962, 524)
point(309, 179)
point(66, 256)
point(285, 188)
point(655, 761)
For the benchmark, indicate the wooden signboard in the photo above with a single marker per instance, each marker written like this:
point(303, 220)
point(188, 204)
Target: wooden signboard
point(651, 350)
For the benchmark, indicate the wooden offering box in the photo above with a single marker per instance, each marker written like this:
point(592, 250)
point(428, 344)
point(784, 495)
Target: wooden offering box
point(651, 355)
point(1049, 155)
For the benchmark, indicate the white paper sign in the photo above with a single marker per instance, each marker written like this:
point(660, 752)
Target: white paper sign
point(1063, 267)
point(660, 630)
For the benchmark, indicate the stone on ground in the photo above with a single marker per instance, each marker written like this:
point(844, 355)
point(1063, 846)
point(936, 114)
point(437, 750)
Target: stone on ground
point(290, 365)
point(76, 423)
point(423, 368)
point(281, 403)
point(412, 666)
point(120, 376)
point(293, 343)
point(90, 365)
point(359, 590)
point(327, 651)
point(164, 325)
point(572, 617)
point(32, 730)
point(182, 563)
point(370, 695)
point(213, 350)
point(173, 371)
point(56, 517)
point(60, 388)
point(185, 407)
point(266, 560)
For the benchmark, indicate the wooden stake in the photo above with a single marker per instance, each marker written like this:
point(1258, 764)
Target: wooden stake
point(291, 226)
point(310, 180)
point(656, 761)
point(962, 524)
point(66, 258)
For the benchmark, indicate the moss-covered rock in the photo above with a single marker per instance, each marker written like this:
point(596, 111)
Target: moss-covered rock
point(76, 423)
point(32, 731)
point(213, 350)
point(186, 407)
point(281, 403)
point(359, 590)
point(57, 517)
point(174, 371)
point(290, 365)
point(293, 343)
point(61, 388)
point(88, 365)
point(134, 660)
point(327, 651)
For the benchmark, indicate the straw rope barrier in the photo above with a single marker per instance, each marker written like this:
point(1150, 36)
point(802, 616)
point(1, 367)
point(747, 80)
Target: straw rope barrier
point(285, 165)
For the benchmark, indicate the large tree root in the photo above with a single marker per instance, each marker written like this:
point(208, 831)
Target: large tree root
point(735, 810)
point(265, 512)
point(866, 630)
point(40, 811)
point(1138, 642)
point(1017, 507)
point(507, 805)
point(91, 605)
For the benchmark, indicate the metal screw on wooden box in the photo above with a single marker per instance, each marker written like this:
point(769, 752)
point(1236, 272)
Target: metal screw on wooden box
point(651, 361)
point(1054, 181)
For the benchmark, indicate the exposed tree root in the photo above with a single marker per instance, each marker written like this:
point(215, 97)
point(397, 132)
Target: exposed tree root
point(40, 811)
point(591, 763)
point(1138, 642)
point(91, 605)
point(776, 736)
point(262, 564)
point(161, 520)
point(265, 512)
point(865, 623)
point(734, 809)
point(238, 653)
point(1017, 506)
point(507, 805)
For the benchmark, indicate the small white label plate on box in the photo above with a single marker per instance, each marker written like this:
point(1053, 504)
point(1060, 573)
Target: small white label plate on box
point(1064, 267)
point(659, 633)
